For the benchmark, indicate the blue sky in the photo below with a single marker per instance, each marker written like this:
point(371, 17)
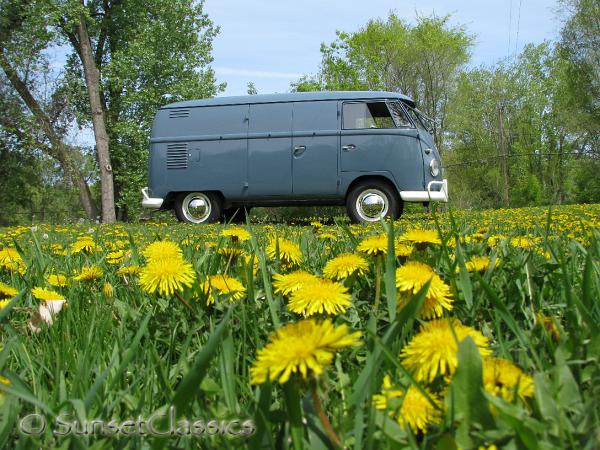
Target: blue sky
point(272, 43)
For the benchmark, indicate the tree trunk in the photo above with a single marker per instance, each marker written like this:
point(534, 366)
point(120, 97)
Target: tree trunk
point(59, 150)
point(92, 81)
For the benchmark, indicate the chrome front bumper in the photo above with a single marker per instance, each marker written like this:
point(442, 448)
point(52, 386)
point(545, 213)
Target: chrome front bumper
point(151, 202)
point(428, 195)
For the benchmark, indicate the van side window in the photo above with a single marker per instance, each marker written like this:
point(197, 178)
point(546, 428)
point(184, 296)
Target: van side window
point(367, 115)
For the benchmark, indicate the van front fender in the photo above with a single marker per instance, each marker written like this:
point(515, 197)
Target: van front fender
point(351, 178)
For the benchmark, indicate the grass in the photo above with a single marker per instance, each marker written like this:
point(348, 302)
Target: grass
point(132, 354)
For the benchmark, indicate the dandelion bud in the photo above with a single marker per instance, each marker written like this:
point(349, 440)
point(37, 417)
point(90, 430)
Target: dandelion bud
point(107, 290)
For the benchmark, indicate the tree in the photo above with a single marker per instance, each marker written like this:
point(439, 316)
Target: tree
point(147, 54)
point(22, 41)
point(422, 61)
point(127, 59)
point(509, 132)
point(251, 88)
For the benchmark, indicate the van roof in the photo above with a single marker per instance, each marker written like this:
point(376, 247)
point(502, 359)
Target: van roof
point(293, 97)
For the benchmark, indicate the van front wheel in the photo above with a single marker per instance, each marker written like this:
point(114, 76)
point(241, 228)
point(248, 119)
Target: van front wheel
point(372, 200)
point(198, 207)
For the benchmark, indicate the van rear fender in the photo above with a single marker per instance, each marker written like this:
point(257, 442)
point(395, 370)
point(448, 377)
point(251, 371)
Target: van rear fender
point(169, 202)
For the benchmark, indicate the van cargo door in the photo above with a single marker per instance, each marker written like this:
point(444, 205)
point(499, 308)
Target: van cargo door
point(315, 144)
point(269, 150)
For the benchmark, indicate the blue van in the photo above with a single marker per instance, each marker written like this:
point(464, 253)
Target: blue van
point(371, 151)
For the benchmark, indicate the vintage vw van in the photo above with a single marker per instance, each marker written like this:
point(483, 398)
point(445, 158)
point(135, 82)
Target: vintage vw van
point(370, 151)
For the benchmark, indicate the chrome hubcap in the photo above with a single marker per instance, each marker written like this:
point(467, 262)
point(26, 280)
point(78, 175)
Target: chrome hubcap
point(196, 207)
point(372, 205)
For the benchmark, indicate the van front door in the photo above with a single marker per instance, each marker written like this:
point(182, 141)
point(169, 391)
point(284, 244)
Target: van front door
point(315, 144)
point(269, 150)
point(374, 143)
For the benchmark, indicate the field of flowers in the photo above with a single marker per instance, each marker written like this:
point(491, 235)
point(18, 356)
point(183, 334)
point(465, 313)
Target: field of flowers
point(449, 330)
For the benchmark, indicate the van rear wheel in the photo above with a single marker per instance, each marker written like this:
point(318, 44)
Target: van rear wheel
point(371, 200)
point(198, 207)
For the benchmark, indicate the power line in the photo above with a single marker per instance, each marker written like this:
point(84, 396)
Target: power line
point(514, 155)
point(518, 27)
point(509, 28)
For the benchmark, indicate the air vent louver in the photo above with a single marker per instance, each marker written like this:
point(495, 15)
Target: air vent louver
point(177, 156)
point(178, 113)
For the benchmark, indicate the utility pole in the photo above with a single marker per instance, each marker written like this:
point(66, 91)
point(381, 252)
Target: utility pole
point(503, 156)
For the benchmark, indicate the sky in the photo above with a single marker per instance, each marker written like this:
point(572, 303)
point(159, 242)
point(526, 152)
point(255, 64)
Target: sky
point(273, 42)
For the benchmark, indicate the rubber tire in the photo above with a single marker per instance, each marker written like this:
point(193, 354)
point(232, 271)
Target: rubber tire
point(235, 215)
point(395, 204)
point(215, 207)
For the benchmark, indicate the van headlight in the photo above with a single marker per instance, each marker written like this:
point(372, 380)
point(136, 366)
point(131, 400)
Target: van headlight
point(434, 167)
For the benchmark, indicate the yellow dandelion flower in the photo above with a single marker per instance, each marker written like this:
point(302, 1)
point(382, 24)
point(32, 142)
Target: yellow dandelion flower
point(288, 283)
point(57, 280)
point(478, 264)
point(304, 348)
point(7, 291)
point(85, 245)
point(494, 240)
point(4, 303)
point(166, 276)
point(319, 296)
point(344, 265)
point(237, 234)
point(115, 257)
point(403, 250)
point(128, 271)
point(247, 259)
point(418, 237)
point(289, 252)
point(411, 277)
point(162, 250)
point(46, 294)
point(410, 407)
point(224, 285)
point(89, 273)
point(374, 245)
point(11, 260)
point(432, 351)
point(230, 252)
point(326, 236)
point(417, 411)
point(501, 378)
point(522, 242)
point(58, 250)
point(388, 392)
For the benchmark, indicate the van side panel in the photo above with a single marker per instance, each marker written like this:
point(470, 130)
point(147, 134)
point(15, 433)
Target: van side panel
point(200, 149)
point(316, 143)
point(269, 150)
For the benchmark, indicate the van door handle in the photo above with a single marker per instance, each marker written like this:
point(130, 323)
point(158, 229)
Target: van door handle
point(299, 149)
point(349, 147)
